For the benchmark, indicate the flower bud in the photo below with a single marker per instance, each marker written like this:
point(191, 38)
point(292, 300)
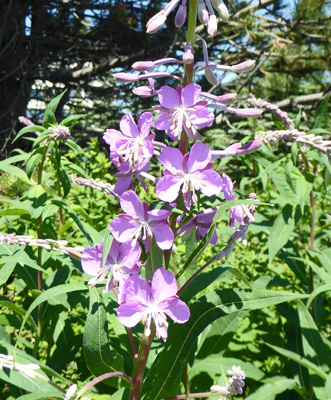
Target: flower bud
point(227, 98)
point(25, 121)
point(180, 16)
point(142, 66)
point(245, 66)
point(203, 14)
point(248, 112)
point(212, 25)
point(211, 78)
point(188, 57)
point(221, 9)
point(155, 23)
point(125, 77)
point(144, 91)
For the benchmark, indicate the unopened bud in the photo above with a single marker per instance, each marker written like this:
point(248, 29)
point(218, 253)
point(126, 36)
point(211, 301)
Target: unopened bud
point(188, 57)
point(227, 98)
point(142, 66)
point(248, 112)
point(203, 14)
point(212, 25)
point(245, 66)
point(25, 121)
point(155, 23)
point(221, 9)
point(180, 16)
point(211, 77)
point(125, 77)
point(144, 91)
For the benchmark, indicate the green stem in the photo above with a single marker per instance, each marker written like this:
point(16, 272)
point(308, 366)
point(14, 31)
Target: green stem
point(140, 363)
point(39, 255)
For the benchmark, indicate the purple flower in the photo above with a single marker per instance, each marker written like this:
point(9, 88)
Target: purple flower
point(133, 144)
point(151, 301)
point(192, 170)
point(182, 109)
point(139, 218)
point(122, 260)
point(201, 221)
point(126, 174)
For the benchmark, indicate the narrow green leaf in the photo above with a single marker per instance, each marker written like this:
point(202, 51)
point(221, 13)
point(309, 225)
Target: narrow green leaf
point(69, 121)
point(74, 216)
point(27, 129)
point(298, 119)
point(281, 231)
point(313, 345)
point(36, 385)
point(18, 310)
point(321, 117)
point(162, 379)
point(15, 171)
point(283, 187)
point(52, 105)
point(52, 293)
point(107, 242)
point(328, 386)
point(154, 260)
point(100, 358)
point(33, 161)
point(270, 390)
point(325, 276)
point(299, 359)
point(37, 197)
point(317, 291)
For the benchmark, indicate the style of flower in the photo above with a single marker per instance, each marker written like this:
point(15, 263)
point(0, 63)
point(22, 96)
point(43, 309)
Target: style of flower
point(133, 144)
point(139, 218)
point(189, 171)
point(182, 109)
point(122, 260)
point(152, 301)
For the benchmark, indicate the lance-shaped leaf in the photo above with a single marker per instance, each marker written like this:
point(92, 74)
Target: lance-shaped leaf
point(162, 380)
point(99, 356)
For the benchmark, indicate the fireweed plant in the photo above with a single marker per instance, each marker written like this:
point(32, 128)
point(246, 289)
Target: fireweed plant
point(133, 280)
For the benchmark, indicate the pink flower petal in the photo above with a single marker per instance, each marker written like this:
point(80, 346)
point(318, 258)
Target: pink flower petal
point(175, 309)
point(172, 159)
point(163, 235)
point(167, 188)
point(129, 314)
point(213, 183)
point(91, 260)
point(145, 122)
point(168, 97)
point(164, 285)
point(158, 214)
point(128, 126)
point(190, 94)
point(163, 122)
point(201, 117)
point(198, 158)
point(124, 228)
point(132, 205)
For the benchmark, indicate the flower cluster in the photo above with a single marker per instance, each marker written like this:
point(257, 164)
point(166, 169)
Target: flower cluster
point(235, 384)
point(206, 15)
point(187, 180)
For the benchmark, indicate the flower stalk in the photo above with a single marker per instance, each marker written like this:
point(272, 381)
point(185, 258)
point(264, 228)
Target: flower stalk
point(140, 362)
